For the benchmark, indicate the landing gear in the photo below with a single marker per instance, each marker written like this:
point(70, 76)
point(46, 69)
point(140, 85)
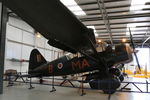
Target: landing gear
point(41, 81)
point(31, 87)
point(121, 77)
point(108, 86)
point(53, 88)
point(109, 91)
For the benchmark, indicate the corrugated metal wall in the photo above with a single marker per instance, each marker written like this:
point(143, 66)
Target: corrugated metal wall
point(20, 40)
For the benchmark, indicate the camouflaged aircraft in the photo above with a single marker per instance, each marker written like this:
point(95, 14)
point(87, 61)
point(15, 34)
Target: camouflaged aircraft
point(65, 31)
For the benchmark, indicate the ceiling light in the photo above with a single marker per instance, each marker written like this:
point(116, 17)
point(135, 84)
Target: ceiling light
point(124, 40)
point(38, 35)
point(99, 41)
point(74, 7)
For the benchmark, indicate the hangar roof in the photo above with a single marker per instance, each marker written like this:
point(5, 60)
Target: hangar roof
point(111, 19)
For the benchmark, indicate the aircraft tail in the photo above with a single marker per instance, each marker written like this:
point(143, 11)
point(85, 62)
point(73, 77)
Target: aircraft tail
point(36, 59)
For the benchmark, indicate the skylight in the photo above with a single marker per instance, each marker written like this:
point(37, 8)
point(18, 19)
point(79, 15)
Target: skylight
point(74, 7)
point(138, 4)
point(135, 5)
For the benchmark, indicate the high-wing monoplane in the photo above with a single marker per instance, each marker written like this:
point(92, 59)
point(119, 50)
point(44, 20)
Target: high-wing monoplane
point(65, 31)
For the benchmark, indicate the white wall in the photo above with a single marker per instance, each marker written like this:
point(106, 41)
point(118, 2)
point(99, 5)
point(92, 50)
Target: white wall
point(143, 55)
point(20, 40)
point(144, 58)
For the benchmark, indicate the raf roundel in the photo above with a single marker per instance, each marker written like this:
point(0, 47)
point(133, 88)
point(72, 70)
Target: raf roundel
point(60, 65)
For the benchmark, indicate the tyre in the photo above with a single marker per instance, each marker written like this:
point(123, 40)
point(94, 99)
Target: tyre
point(121, 77)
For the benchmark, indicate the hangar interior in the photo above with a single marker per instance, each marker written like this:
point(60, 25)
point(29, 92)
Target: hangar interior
point(20, 40)
point(110, 20)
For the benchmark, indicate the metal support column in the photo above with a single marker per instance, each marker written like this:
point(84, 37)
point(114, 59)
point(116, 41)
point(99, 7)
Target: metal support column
point(104, 15)
point(3, 21)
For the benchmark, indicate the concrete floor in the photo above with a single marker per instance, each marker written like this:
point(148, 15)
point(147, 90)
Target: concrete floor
point(21, 92)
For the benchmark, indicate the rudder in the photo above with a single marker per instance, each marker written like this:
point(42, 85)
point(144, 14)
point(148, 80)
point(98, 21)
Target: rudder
point(36, 59)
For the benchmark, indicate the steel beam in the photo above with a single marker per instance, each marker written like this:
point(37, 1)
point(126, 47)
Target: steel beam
point(129, 22)
point(104, 15)
point(116, 17)
point(106, 1)
point(3, 20)
point(144, 26)
point(115, 7)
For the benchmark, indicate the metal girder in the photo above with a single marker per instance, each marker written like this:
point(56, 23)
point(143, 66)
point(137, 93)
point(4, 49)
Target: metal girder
point(114, 12)
point(145, 39)
point(135, 39)
point(145, 26)
point(113, 7)
point(104, 35)
point(116, 17)
point(104, 15)
point(106, 1)
point(111, 12)
point(121, 31)
point(119, 23)
point(3, 20)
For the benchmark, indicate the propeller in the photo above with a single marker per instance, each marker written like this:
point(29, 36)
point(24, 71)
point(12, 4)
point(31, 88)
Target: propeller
point(132, 43)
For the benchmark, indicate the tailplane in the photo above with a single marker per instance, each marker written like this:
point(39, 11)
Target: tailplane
point(36, 59)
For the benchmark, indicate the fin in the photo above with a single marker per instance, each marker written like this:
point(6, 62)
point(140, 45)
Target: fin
point(36, 59)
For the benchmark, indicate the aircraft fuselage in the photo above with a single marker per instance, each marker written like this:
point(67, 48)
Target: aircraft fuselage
point(63, 66)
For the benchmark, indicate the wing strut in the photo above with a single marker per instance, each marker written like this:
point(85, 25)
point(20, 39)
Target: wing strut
point(100, 60)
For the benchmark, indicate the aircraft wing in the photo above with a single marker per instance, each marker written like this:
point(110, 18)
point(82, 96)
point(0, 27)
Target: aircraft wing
point(55, 22)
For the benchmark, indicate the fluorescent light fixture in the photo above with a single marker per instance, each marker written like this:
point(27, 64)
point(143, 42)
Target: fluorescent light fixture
point(74, 7)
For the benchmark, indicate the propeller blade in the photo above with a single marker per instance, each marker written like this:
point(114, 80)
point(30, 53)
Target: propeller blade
point(132, 43)
point(137, 61)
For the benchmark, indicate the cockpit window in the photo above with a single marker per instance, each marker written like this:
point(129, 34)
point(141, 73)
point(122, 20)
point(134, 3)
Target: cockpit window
point(101, 46)
point(69, 56)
